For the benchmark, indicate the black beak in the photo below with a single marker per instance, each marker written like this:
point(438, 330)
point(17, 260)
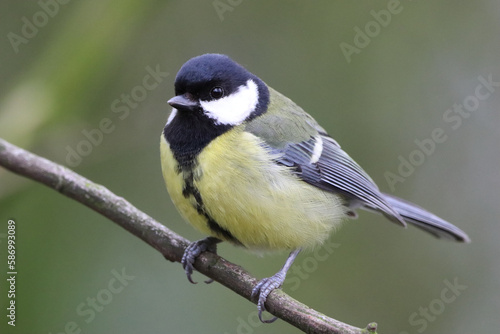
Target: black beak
point(183, 102)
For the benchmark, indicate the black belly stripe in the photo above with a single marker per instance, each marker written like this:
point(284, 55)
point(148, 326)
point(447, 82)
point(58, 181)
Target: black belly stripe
point(190, 190)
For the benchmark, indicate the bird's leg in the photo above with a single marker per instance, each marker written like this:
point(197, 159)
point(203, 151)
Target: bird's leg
point(194, 250)
point(267, 285)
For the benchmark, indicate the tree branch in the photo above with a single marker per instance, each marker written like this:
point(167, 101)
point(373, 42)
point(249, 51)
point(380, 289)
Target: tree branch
point(171, 245)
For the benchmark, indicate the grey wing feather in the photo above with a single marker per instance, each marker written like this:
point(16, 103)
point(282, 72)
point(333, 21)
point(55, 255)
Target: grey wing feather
point(335, 171)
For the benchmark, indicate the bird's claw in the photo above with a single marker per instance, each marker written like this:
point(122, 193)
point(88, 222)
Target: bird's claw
point(263, 289)
point(192, 252)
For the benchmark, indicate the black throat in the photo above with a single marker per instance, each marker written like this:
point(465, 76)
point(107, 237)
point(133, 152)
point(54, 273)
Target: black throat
point(190, 132)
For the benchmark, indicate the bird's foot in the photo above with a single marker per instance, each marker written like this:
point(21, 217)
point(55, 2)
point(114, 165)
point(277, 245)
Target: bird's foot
point(193, 251)
point(267, 285)
point(263, 289)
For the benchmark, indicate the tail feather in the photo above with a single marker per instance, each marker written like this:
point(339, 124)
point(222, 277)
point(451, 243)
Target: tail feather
point(425, 220)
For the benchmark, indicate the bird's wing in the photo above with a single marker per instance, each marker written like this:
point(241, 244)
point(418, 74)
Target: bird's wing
point(301, 144)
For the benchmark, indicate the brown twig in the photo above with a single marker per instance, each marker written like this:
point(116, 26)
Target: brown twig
point(171, 245)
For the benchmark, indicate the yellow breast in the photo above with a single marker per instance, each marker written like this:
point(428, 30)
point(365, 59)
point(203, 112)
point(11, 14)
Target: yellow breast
point(263, 205)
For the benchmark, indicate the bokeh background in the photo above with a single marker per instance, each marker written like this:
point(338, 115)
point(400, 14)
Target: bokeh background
point(68, 65)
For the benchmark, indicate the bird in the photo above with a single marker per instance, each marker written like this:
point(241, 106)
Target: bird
point(244, 164)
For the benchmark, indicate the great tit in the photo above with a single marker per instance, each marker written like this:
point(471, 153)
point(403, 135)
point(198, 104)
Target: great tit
point(244, 164)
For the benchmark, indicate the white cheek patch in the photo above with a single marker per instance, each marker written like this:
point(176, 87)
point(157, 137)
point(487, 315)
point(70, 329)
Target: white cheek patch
point(172, 116)
point(235, 108)
point(317, 150)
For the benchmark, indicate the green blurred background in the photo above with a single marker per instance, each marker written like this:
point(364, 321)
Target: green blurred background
point(62, 78)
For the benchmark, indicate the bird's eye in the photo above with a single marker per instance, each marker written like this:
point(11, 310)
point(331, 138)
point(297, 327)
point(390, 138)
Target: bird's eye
point(217, 92)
